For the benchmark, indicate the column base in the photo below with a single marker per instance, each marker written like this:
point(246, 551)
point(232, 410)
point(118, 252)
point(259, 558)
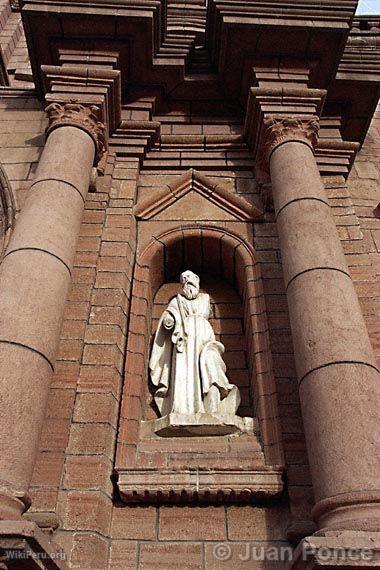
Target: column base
point(23, 546)
point(357, 511)
point(345, 550)
point(13, 503)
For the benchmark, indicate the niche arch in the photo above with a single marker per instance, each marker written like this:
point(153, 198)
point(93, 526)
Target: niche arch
point(201, 248)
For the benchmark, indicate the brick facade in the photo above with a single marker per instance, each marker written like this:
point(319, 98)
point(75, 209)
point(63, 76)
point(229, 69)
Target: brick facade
point(99, 392)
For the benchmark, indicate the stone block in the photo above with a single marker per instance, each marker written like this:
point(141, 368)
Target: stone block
point(192, 523)
point(89, 550)
point(91, 439)
point(166, 556)
point(88, 472)
point(134, 523)
point(95, 408)
point(85, 510)
point(264, 524)
point(123, 555)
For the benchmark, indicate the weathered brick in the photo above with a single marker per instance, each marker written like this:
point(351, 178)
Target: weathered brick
point(88, 243)
point(48, 469)
point(123, 555)
point(85, 510)
point(259, 523)
point(112, 280)
point(99, 379)
point(134, 523)
point(80, 292)
point(114, 249)
point(91, 472)
point(115, 234)
point(76, 311)
point(103, 355)
point(86, 259)
point(105, 334)
point(108, 316)
point(166, 556)
point(55, 434)
point(70, 349)
point(89, 551)
point(93, 230)
point(91, 439)
point(192, 523)
point(94, 216)
point(60, 403)
point(43, 499)
point(109, 298)
point(66, 374)
point(98, 408)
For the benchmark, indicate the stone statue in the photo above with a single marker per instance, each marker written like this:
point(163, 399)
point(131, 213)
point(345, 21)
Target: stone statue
point(192, 391)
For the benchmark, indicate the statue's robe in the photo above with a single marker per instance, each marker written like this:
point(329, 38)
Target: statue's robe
point(186, 360)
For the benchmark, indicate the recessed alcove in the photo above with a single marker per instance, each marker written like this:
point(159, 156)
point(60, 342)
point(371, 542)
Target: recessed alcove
point(239, 465)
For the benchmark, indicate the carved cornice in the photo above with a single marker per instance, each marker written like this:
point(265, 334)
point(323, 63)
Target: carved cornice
point(278, 130)
point(159, 486)
point(86, 118)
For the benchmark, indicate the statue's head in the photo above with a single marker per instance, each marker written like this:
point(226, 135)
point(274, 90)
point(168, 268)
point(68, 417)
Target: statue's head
point(190, 284)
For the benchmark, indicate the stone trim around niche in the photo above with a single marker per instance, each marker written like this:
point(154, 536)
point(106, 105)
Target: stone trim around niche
point(244, 467)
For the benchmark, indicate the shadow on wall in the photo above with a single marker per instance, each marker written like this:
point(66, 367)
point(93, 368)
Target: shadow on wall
point(7, 210)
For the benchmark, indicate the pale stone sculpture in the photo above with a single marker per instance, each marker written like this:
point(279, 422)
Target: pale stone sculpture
point(192, 391)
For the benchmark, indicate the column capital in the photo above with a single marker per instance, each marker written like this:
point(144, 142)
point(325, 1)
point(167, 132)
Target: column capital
point(279, 129)
point(81, 116)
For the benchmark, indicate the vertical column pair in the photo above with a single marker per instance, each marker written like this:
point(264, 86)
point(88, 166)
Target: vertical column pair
point(35, 275)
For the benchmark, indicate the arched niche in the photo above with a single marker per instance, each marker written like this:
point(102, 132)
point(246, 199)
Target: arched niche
point(7, 210)
point(219, 255)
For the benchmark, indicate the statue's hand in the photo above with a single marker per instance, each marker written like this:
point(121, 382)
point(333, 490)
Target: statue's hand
point(168, 322)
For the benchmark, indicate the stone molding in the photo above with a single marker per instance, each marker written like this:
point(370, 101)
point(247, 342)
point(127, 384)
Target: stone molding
point(86, 118)
point(278, 130)
point(181, 478)
point(327, 511)
point(193, 181)
point(277, 111)
point(205, 485)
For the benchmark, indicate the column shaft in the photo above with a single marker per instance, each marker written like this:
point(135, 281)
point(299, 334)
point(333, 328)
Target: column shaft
point(34, 279)
point(339, 381)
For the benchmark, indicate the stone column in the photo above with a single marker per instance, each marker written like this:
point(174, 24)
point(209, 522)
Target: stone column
point(339, 382)
point(34, 280)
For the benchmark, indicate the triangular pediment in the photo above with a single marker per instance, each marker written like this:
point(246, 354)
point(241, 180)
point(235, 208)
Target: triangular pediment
point(178, 194)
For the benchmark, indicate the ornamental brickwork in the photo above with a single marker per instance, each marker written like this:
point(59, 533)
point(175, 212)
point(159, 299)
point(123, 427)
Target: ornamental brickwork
point(240, 142)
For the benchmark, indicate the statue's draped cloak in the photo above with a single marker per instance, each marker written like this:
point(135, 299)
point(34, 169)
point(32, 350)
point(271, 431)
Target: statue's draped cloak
point(186, 360)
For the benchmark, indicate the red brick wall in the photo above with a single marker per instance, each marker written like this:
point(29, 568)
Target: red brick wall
point(362, 242)
point(72, 474)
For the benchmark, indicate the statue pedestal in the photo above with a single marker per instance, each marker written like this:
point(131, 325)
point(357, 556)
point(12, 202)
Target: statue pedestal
point(179, 425)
